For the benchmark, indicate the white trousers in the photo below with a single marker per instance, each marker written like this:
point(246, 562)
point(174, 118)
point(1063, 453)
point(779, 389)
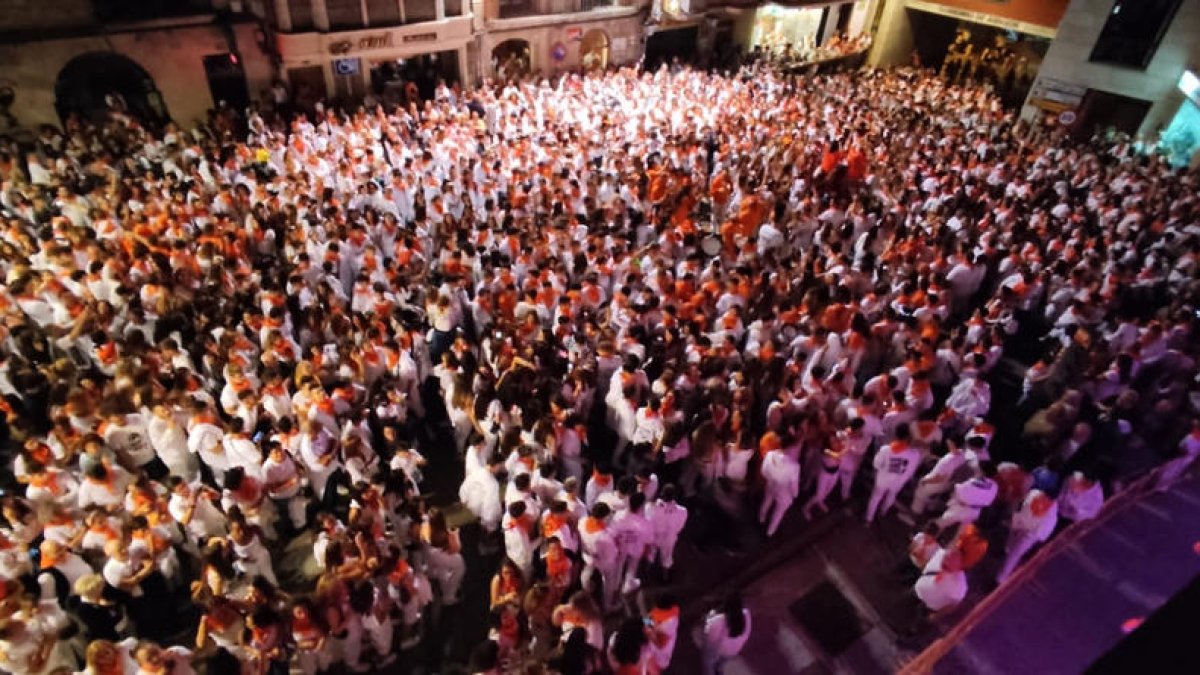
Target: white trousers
point(775, 503)
point(882, 499)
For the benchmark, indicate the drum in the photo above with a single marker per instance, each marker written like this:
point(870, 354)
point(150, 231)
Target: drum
point(711, 246)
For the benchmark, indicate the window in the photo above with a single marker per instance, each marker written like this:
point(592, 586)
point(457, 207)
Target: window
point(454, 7)
point(514, 8)
point(123, 10)
point(344, 14)
point(420, 10)
point(301, 14)
point(1133, 31)
point(589, 5)
point(383, 12)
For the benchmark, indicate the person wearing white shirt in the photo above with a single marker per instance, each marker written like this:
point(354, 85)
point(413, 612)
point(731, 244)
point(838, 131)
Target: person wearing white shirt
point(667, 519)
point(635, 540)
point(519, 542)
point(192, 507)
point(895, 465)
point(1081, 498)
point(970, 497)
point(281, 480)
point(725, 634)
point(781, 474)
point(938, 480)
point(600, 553)
point(318, 453)
point(128, 436)
point(943, 583)
point(856, 441)
point(1031, 525)
point(170, 443)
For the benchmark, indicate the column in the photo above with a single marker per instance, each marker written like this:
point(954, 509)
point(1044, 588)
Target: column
point(283, 15)
point(440, 9)
point(320, 15)
point(464, 73)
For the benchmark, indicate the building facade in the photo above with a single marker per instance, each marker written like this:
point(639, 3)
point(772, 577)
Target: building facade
point(78, 56)
point(69, 56)
point(1122, 64)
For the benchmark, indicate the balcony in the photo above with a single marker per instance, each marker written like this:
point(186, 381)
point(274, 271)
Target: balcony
point(304, 16)
point(514, 9)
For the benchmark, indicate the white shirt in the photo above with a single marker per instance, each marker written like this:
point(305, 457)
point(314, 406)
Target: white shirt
point(940, 590)
point(716, 633)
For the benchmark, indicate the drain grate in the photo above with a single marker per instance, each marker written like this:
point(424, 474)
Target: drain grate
point(829, 618)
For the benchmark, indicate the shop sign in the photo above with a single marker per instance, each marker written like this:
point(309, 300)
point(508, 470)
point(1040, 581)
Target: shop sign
point(982, 18)
point(364, 43)
point(346, 66)
point(574, 34)
point(558, 52)
point(421, 37)
point(1189, 85)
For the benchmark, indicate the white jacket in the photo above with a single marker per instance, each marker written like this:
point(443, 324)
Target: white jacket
point(782, 473)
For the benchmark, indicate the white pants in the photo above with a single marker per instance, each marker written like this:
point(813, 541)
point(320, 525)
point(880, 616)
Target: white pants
point(348, 649)
point(609, 579)
point(664, 551)
point(1174, 470)
point(296, 507)
point(826, 481)
point(310, 662)
point(318, 477)
point(846, 474)
point(448, 569)
point(958, 514)
point(1019, 543)
point(926, 491)
point(252, 567)
point(778, 501)
point(629, 573)
point(882, 499)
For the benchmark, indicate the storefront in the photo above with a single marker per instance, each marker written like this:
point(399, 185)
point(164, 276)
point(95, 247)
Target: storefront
point(551, 44)
point(799, 28)
point(972, 40)
point(151, 71)
point(1180, 141)
point(386, 62)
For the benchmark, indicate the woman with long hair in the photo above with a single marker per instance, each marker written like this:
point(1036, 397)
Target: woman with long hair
point(725, 633)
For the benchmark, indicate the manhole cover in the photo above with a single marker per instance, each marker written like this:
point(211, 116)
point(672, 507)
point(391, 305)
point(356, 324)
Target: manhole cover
point(829, 618)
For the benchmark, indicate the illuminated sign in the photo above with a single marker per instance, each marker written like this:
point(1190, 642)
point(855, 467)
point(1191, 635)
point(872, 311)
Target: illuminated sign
point(1189, 84)
point(364, 43)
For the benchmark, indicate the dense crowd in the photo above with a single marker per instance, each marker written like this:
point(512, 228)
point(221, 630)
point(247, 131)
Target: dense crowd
point(609, 301)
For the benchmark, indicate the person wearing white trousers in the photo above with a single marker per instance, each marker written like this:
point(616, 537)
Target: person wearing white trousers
point(1031, 525)
point(600, 554)
point(668, 519)
point(856, 441)
point(895, 465)
point(939, 479)
point(781, 474)
point(827, 479)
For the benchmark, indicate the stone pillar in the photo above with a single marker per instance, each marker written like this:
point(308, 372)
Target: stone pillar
point(894, 40)
point(320, 14)
point(283, 15)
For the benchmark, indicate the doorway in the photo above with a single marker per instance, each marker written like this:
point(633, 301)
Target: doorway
point(413, 78)
point(512, 59)
point(227, 80)
point(1101, 110)
point(593, 50)
point(664, 46)
point(97, 84)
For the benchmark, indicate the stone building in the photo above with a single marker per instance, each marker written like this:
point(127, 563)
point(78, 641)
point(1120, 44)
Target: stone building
point(160, 58)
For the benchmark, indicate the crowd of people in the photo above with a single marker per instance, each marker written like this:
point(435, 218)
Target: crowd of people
point(614, 303)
